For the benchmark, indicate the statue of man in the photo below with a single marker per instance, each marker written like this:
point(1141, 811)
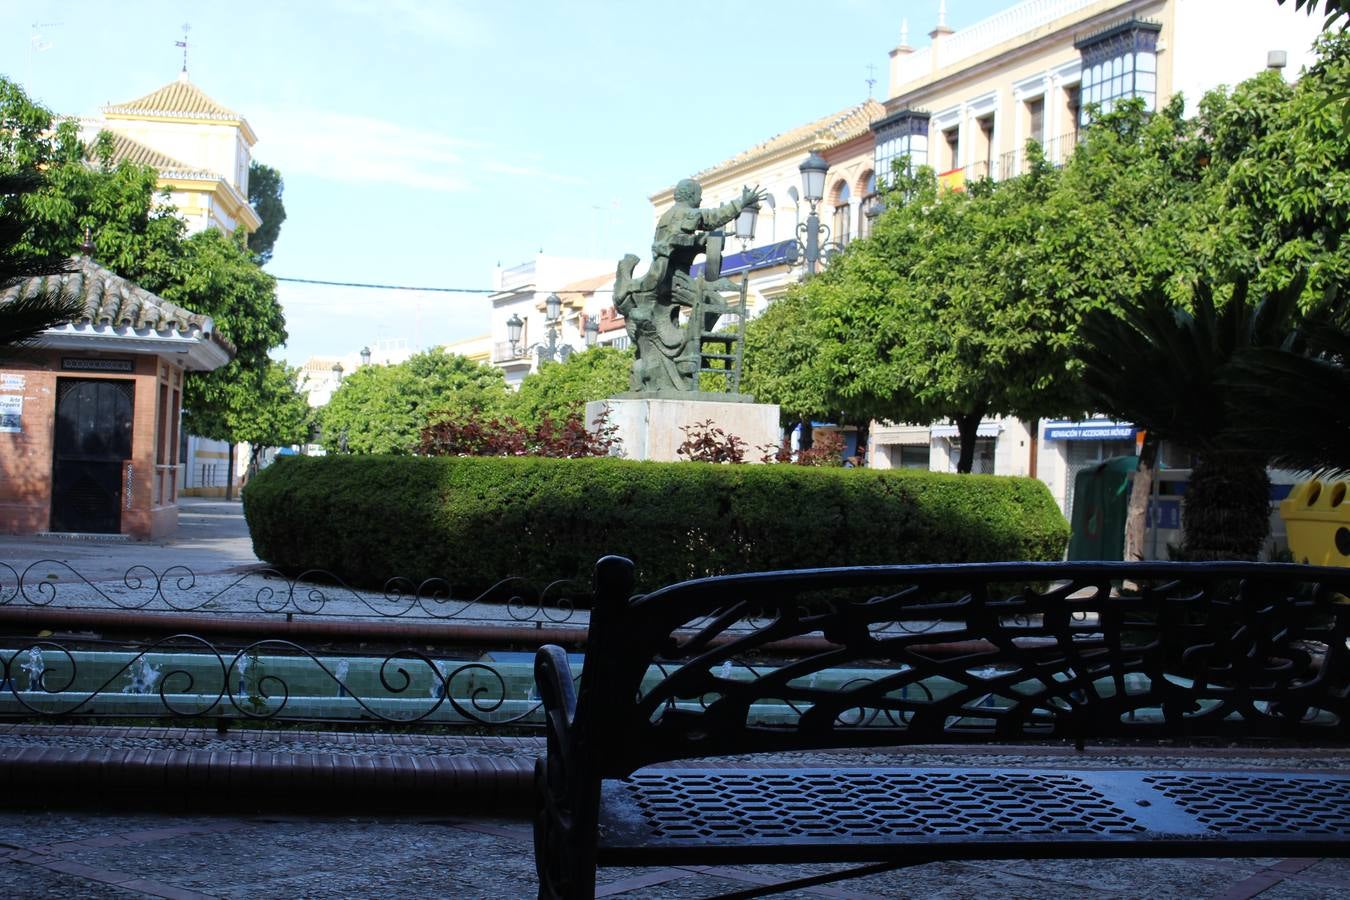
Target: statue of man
point(665, 350)
point(682, 231)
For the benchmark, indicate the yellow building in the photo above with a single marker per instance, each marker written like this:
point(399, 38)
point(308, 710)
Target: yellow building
point(200, 149)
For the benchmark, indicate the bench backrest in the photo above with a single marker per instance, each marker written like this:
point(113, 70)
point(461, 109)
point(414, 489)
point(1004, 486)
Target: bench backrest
point(872, 656)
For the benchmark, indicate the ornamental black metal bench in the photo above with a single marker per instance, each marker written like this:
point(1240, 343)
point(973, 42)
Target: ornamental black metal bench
point(949, 654)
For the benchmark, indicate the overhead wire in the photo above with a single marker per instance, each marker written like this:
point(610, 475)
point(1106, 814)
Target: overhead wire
point(440, 290)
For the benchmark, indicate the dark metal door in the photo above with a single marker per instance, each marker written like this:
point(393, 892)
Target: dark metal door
point(92, 439)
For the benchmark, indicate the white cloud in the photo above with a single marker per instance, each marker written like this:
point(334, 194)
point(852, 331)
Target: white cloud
point(351, 148)
point(356, 149)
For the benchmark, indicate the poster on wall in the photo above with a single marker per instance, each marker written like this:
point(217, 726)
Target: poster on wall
point(11, 412)
point(11, 382)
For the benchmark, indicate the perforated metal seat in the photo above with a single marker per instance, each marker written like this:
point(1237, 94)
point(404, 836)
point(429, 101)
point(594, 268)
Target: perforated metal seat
point(664, 816)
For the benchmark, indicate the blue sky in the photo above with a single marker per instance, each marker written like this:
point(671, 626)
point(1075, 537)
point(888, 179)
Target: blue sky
point(422, 143)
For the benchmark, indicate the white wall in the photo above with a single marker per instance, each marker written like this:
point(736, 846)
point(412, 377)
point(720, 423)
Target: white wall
point(1225, 42)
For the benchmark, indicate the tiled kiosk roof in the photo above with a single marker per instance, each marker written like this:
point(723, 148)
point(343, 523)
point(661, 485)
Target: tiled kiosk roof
point(120, 315)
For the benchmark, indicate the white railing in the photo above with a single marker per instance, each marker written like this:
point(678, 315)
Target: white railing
point(1005, 26)
point(1011, 23)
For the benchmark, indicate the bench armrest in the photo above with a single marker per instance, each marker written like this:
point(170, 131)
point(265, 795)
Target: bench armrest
point(557, 690)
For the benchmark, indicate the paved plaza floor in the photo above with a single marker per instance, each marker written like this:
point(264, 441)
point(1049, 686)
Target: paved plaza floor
point(64, 854)
point(462, 850)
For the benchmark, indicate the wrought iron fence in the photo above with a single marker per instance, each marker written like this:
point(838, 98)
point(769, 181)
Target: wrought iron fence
point(185, 676)
point(56, 584)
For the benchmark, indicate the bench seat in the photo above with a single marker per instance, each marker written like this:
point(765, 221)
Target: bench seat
point(764, 666)
point(701, 816)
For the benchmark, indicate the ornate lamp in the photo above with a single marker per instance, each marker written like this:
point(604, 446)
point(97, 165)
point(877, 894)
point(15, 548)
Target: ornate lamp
point(813, 177)
point(592, 330)
point(745, 223)
point(515, 327)
point(552, 307)
point(337, 371)
point(365, 356)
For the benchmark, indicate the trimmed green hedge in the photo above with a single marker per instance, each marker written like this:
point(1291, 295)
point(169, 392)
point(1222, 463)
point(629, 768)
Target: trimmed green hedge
point(477, 520)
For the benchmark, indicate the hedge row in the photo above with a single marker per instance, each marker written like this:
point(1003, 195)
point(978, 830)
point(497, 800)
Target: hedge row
point(477, 520)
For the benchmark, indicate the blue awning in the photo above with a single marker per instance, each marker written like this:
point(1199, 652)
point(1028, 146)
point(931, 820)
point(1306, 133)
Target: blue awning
point(764, 257)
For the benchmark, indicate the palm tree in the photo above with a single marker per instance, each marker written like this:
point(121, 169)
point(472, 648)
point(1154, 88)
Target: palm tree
point(1164, 368)
point(28, 313)
point(1292, 400)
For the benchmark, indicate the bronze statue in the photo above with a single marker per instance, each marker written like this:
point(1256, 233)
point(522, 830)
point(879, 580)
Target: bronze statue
point(670, 353)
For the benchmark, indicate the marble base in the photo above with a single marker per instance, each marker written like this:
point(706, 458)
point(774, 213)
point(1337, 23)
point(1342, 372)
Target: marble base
point(650, 428)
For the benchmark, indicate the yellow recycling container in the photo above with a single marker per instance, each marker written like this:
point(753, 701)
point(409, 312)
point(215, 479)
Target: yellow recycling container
point(1317, 518)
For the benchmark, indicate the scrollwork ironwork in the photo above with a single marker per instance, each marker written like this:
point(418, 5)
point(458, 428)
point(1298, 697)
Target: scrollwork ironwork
point(980, 651)
point(186, 676)
point(54, 583)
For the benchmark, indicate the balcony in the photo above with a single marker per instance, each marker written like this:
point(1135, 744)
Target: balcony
point(505, 352)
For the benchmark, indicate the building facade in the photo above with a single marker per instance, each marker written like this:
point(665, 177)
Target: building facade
point(521, 294)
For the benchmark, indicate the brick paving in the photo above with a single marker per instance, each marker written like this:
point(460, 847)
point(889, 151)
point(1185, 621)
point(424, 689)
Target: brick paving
point(469, 835)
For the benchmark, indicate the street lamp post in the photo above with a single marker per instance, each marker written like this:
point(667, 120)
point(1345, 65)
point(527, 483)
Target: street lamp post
point(551, 348)
point(816, 234)
point(365, 356)
point(814, 243)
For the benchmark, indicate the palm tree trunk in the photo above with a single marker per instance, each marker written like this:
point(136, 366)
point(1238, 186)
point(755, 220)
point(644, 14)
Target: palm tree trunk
point(1227, 511)
point(1136, 513)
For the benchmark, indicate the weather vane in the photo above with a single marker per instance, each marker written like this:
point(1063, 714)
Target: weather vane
point(871, 79)
point(184, 44)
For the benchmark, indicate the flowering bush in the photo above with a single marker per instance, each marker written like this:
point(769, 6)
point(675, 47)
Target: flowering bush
point(475, 436)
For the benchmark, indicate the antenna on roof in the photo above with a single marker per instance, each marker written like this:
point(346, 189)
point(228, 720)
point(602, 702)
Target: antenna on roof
point(184, 44)
point(871, 79)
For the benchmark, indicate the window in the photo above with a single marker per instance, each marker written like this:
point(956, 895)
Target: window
point(769, 208)
point(1036, 120)
point(909, 456)
point(952, 138)
point(869, 197)
point(983, 164)
point(841, 212)
point(1118, 64)
point(903, 135)
point(796, 208)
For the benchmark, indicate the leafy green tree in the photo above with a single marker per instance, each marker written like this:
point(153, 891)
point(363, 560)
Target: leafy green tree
point(951, 308)
point(559, 390)
point(383, 409)
point(273, 412)
point(265, 188)
point(26, 316)
point(780, 361)
point(1334, 10)
point(134, 231)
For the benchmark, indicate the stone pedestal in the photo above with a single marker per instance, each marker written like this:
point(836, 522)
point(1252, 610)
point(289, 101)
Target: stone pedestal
point(650, 428)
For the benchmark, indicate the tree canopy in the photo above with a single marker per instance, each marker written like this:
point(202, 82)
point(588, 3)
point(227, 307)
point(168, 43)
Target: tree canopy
point(265, 188)
point(383, 409)
point(560, 389)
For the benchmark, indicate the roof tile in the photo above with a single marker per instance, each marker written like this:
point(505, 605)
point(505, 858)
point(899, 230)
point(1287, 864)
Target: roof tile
point(109, 299)
point(177, 99)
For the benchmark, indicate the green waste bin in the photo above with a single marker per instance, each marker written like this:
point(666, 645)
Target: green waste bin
point(1101, 497)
